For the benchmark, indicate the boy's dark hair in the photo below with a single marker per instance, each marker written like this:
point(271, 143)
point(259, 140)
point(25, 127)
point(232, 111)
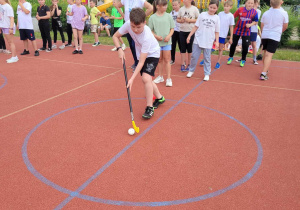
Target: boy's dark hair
point(93, 1)
point(193, 3)
point(137, 16)
point(228, 3)
point(214, 2)
point(158, 2)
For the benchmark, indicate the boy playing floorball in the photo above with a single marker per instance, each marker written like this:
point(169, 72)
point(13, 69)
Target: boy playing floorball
point(148, 53)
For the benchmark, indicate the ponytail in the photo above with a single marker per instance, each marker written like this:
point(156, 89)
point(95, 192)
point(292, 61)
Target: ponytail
point(154, 6)
point(8, 2)
point(193, 3)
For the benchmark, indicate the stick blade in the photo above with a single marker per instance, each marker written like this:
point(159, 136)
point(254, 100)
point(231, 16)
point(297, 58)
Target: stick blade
point(136, 129)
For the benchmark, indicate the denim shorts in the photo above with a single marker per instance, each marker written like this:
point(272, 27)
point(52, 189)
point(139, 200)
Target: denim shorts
point(165, 48)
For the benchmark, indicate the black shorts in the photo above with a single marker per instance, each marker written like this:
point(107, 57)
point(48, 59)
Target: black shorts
point(183, 45)
point(149, 66)
point(116, 29)
point(27, 34)
point(270, 45)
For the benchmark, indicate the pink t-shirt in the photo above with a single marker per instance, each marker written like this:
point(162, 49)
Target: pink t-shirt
point(78, 14)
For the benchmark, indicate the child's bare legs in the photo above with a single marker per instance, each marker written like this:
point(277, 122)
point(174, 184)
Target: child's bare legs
point(155, 91)
point(149, 87)
point(75, 38)
point(254, 50)
point(25, 42)
point(221, 46)
point(96, 37)
point(107, 31)
point(10, 40)
point(34, 45)
point(160, 63)
point(267, 58)
point(166, 60)
point(189, 58)
point(80, 39)
point(183, 58)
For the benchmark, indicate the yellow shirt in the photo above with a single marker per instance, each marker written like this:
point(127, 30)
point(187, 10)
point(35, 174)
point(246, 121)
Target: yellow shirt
point(94, 19)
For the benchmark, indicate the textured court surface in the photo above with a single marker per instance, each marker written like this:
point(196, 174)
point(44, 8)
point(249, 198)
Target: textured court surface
point(230, 143)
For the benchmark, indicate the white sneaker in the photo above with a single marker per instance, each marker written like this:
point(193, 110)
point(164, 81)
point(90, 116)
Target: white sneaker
point(255, 62)
point(206, 78)
point(6, 52)
point(169, 83)
point(114, 49)
point(12, 60)
point(159, 79)
point(123, 46)
point(62, 47)
point(190, 74)
point(54, 46)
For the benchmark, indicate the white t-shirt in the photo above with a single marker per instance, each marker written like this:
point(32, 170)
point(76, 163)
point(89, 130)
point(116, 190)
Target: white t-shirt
point(255, 28)
point(226, 20)
point(129, 5)
point(145, 42)
point(6, 11)
point(25, 21)
point(273, 21)
point(174, 15)
point(191, 13)
point(69, 9)
point(207, 25)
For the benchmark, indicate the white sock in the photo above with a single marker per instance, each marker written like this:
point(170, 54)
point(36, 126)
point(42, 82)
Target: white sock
point(264, 73)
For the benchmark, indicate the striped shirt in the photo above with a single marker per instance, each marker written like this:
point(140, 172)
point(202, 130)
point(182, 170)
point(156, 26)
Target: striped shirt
point(245, 17)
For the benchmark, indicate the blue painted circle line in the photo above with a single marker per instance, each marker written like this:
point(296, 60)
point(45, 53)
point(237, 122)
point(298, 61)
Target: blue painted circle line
point(129, 203)
point(5, 81)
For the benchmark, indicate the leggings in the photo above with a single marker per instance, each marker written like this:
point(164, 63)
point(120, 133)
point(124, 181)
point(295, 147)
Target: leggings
point(45, 33)
point(70, 33)
point(245, 45)
point(57, 25)
point(132, 48)
point(2, 42)
point(175, 40)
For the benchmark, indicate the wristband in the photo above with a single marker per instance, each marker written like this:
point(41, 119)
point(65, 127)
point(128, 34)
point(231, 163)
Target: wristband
point(118, 48)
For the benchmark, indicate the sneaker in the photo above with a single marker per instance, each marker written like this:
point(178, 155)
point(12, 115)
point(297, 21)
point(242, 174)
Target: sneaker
point(182, 69)
point(149, 111)
point(54, 46)
point(187, 68)
point(113, 49)
point(25, 52)
point(242, 63)
point(217, 66)
point(169, 83)
point(62, 47)
point(36, 53)
point(259, 57)
point(190, 74)
point(6, 52)
point(49, 50)
point(201, 62)
point(123, 46)
point(42, 49)
point(80, 52)
point(238, 61)
point(229, 60)
point(159, 79)
point(206, 78)
point(255, 62)
point(172, 62)
point(12, 60)
point(68, 45)
point(75, 52)
point(158, 102)
point(263, 77)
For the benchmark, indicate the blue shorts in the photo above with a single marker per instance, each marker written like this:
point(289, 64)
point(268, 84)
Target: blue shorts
point(253, 36)
point(221, 40)
point(27, 34)
point(165, 48)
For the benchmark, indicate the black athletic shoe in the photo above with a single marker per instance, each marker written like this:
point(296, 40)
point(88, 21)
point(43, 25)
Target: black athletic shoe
point(42, 49)
point(25, 52)
point(259, 57)
point(158, 102)
point(148, 112)
point(68, 45)
point(75, 52)
point(80, 52)
point(36, 53)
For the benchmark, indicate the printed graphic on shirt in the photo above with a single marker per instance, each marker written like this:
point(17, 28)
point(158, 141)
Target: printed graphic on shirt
point(209, 23)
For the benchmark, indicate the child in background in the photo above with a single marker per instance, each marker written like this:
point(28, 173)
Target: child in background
point(226, 23)
point(148, 53)
point(69, 21)
point(80, 15)
point(2, 41)
point(104, 24)
point(207, 30)
point(25, 26)
point(162, 26)
point(273, 23)
point(43, 16)
point(57, 24)
point(118, 22)
point(187, 17)
point(254, 33)
point(175, 36)
point(94, 13)
point(8, 28)
point(247, 18)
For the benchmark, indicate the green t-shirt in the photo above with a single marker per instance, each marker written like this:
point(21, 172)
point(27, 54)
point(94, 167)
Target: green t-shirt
point(93, 13)
point(161, 26)
point(117, 23)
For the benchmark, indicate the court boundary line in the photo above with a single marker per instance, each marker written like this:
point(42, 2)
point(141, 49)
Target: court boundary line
point(61, 94)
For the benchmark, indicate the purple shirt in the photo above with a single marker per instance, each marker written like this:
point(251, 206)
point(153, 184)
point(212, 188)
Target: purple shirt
point(78, 14)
